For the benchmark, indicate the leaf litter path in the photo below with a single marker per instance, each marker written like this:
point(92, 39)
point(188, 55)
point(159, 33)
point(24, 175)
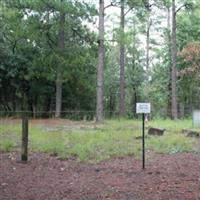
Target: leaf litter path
point(167, 177)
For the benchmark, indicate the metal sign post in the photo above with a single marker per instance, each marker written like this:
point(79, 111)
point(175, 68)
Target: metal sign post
point(143, 108)
point(143, 141)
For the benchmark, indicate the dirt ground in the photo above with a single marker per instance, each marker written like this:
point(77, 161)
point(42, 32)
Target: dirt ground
point(167, 177)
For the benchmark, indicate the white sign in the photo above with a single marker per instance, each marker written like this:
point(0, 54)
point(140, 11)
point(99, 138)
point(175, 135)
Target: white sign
point(196, 118)
point(143, 107)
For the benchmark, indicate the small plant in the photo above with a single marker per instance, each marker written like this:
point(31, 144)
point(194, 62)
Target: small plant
point(6, 145)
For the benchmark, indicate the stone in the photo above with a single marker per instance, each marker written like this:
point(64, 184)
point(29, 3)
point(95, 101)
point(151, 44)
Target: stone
point(191, 133)
point(156, 131)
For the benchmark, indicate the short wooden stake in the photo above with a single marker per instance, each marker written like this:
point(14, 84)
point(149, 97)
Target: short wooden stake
point(24, 150)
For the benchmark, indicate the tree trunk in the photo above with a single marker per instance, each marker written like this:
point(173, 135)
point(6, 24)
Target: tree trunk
point(35, 107)
point(14, 100)
point(169, 103)
point(134, 92)
point(59, 78)
point(122, 63)
point(133, 101)
point(148, 42)
point(100, 68)
point(30, 105)
point(111, 102)
point(174, 61)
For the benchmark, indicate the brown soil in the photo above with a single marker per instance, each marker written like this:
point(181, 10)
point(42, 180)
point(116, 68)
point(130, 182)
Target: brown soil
point(167, 177)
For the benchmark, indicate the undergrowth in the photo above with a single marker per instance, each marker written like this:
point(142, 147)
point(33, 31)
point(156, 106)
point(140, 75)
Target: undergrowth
point(93, 143)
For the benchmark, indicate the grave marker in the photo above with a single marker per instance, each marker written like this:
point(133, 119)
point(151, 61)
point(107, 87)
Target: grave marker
point(196, 118)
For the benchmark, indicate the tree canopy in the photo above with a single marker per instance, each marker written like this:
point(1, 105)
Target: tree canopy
point(47, 47)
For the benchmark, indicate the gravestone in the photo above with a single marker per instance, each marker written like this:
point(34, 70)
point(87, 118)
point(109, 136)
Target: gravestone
point(196, 118)
point(190, 133)
point(156, 131)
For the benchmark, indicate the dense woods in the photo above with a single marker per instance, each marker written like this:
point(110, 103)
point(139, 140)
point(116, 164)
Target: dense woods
point(54, 59)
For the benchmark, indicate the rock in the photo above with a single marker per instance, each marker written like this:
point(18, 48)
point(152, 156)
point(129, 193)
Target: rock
point(185, 131)
point(191, 133)
point(156, 131)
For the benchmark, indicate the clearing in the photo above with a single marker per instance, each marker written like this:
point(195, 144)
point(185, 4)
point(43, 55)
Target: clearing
point(84, 161)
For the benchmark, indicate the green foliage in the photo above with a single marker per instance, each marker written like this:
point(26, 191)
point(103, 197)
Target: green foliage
point(157, 91)
point(30, 57)
point(170, 144)
point(9, 137)
point(188, 32)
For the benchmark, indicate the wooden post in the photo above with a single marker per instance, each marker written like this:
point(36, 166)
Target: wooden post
point(24, 150)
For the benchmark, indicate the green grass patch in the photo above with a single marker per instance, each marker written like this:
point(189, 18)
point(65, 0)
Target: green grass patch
point(93, 143)
point(171, 143)
point(6, 145)
point(175, 126)
point(9, 137)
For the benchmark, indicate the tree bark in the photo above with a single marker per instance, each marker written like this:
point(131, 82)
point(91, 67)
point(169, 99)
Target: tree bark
point(122, 63)
point(174, 61)
point(111, 102)
point(100, 67)
point(169, 103)
point(134, 91)
point(59, 77)
point(148, 42)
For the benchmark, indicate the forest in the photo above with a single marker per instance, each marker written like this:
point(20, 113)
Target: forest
point(98, 58)
point(72, 74)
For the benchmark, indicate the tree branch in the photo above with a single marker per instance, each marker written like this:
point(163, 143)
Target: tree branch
point(128, 11)
point(184, 5)
point(149, 6)
point(12, 42)
point(50, 42)
point(86, 39)
point(111, 5)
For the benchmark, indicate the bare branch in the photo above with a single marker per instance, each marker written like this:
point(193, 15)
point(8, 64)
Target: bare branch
point(184, 5)
point(128, 11)
point(111, 5)
point(151, 5)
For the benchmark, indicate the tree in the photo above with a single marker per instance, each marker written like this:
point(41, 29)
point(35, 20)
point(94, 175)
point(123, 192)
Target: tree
point(174, 57)
point(189, 80)
point(174, 62)
point(122, 102)
point(135, 62)
point(100, 68)
point(31, 55)
point(111, 80)
point(169, 57)
point(59, 79)
point(191, 54)
point(122, 62)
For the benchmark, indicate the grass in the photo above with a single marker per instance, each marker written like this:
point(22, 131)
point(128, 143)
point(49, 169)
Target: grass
point(10, 135)
point(115, 138)
point(6, 145)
